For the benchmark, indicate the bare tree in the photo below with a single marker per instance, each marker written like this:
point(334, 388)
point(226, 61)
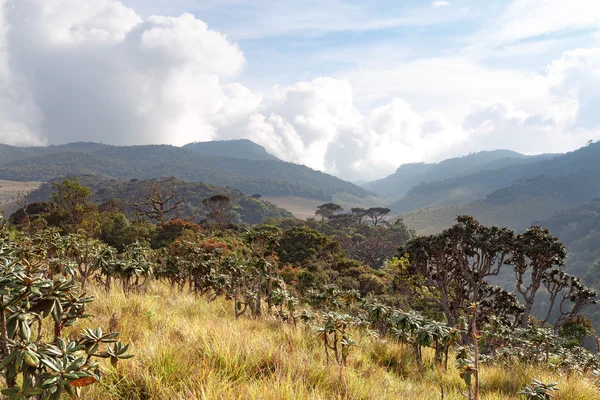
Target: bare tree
point(156, 205)
point(23, 201)
point(219, 210)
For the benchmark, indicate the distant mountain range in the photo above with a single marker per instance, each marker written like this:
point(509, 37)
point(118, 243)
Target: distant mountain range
point(239, 164)
point(409, 177)
point(516, 195)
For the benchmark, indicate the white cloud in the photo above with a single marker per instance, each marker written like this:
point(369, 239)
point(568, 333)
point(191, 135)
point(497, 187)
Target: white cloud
point(532, 18)
point(440, 3)
point(101, 72)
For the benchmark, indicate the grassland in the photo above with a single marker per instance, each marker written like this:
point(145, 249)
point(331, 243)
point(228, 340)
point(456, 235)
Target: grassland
point(188, 348)
point(9, 191)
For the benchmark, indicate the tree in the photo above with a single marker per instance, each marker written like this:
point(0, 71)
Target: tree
point(157, 205)
point(377, 214)
point(219, 210)
point(434, 274)
point(358, 215)
point(571, 291)
point(454, 264)
point(480, 251)
point(23, 201)
point(74, 211)
point(327, 210)
point(534, 252)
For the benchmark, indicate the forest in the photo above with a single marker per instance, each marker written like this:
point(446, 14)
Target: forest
point(238, 164)
point(144, 301)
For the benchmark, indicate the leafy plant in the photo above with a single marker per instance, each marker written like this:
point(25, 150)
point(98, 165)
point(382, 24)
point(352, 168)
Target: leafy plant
point(538, 390)
point(33, 367)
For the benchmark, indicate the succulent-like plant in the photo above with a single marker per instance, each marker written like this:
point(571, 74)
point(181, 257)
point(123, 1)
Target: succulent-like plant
point(538, 390)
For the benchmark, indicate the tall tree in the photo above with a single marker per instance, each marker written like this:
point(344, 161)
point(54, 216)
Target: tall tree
point(358, 215)
point(75, 211)
point(480, 251)
point(454, 264)
point(377, 214)
point(435, 275)
point(535, 252)
point(327, 210)
point(568, 293)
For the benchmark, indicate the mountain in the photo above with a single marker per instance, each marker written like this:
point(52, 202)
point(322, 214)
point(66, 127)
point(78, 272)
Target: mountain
point(409, 175)
point(241, 148)
point(515, 206)
point(579, 229)
point(250, 210)
point(270, 177)
point(478, 185)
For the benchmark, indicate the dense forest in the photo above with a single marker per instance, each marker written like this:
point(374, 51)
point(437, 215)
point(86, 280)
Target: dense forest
point(349, 290)
point(250, 174)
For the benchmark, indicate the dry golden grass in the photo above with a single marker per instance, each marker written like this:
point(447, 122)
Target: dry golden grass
point(8, 194)
point(188, 348)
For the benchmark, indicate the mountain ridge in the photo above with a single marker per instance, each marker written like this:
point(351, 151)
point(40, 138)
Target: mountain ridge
point(263, 176)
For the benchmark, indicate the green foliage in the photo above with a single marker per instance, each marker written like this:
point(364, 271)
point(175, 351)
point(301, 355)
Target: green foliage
point(245, 209)
point(74, 210)
point(267, 177)
point(35, 306)
point(538, 390)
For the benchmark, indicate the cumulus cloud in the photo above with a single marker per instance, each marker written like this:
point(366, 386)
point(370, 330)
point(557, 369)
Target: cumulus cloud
point(100, 72)
point(95, 70)
point(440, 3)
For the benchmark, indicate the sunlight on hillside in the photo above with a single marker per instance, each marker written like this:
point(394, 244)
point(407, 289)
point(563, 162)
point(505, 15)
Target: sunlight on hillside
point(186, 347)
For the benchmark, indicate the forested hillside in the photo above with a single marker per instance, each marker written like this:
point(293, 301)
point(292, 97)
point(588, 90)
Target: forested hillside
point(265, 176)
point(579, 229)
point(478, 185)
point(407, 176)
point(517, 205)
point(242, 148)
point(247, 209)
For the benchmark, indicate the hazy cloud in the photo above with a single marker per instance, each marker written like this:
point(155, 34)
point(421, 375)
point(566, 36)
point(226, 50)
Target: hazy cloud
point(440, 3)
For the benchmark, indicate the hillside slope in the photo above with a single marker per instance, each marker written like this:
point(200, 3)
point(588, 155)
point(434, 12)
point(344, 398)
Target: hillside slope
point(579, 229)
point(242, 148)
point(186, 347)
point(515, 206)
point(407, 176)
point(476, 186)
point(249, 210)
point(267, 177)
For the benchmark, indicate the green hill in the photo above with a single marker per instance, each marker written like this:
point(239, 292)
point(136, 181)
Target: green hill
point(517, 205)
point(250, 210)
point(242, 148)
point(264, 176)
point(478, 185)
point(407, 176)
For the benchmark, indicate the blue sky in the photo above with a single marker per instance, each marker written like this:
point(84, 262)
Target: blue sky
point(353, 88)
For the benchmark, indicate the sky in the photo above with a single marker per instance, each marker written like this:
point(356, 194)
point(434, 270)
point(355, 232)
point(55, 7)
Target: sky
point(352, 88)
